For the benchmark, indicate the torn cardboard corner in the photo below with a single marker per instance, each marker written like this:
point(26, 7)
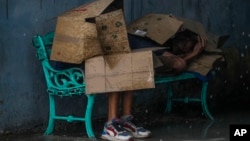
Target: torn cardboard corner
point(158, 27)
point(75, 39)
point(215, 42)
point(203, 64)
point(134, 71)
point(112, 32)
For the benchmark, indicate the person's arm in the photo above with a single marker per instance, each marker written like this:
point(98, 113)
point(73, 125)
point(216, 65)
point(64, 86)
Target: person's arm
point(198, 48)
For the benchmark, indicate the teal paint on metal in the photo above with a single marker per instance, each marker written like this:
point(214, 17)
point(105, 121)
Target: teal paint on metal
point(62, 83)
point(184, 76)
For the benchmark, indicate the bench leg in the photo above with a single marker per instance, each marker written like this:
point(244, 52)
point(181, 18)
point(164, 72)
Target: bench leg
point(51, 122)
point(169, 98)
point(204, 100)
point(88, 115)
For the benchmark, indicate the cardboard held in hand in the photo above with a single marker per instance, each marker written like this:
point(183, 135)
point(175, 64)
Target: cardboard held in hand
point(133, 71)
point(76, 39)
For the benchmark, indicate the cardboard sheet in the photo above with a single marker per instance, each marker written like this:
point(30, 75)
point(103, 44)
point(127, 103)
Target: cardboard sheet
point(158, 27)
point(133, 72)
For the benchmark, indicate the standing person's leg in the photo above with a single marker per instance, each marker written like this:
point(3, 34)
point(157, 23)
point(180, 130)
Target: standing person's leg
point(113, 99)
point(127, 118)
point(127, 102)
point(112, 128)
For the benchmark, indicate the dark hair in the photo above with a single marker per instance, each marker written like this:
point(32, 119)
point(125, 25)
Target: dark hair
point(182, 37)
point(185, 35)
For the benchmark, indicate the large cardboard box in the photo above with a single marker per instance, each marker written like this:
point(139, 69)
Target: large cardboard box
point(158, 27)
point(76, 39)
point(133, 72)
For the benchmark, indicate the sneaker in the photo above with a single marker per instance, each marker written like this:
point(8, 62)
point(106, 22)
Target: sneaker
point(137, 132)
point(114, 132)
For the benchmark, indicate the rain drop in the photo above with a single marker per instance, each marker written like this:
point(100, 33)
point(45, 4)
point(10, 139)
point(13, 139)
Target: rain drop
point(24, 34)
point(241, 76)
point(242, 55)
point(245, 46)
point(243, 33)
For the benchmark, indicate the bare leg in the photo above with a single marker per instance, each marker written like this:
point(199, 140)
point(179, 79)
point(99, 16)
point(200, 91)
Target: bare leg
point(112, 128)
point(127, 102)
point(112, 105)
point(137, 132)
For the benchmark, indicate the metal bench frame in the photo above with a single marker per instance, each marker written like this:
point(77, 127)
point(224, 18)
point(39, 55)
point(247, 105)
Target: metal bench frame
point(184, 76)
point(62, 83)
point(69, 82)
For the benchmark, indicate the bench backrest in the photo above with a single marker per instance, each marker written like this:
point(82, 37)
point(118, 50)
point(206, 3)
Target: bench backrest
point(59, 82)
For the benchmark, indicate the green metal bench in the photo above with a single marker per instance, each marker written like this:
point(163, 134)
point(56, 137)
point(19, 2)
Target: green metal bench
point(62, 83)
point(70, 82)
point(185, 76)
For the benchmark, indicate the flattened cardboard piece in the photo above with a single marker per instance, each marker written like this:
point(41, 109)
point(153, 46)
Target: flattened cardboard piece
point(203, 64)
point(112, 32)
point(158, 27)
point(134, 71)
point(215, 42)
point(75, 39)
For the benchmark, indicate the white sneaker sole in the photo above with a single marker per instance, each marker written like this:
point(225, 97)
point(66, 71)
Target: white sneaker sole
point(110, 138)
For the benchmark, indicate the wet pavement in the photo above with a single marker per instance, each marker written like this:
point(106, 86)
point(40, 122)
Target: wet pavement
point(166, 128)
